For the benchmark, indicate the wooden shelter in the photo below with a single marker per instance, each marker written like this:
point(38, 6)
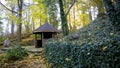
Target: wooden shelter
point(43, 33)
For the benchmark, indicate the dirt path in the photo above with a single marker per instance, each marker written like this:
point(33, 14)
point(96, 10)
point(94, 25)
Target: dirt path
point(31, 61)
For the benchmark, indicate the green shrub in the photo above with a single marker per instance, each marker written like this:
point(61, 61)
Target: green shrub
point(2, 39)
point(98, 47)
point(72, 55)
point(16, 53)
point(62, 54)
point(1, 58)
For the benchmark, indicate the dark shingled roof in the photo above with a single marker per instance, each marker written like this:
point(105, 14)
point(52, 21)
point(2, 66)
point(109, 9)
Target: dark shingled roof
point(46, 28)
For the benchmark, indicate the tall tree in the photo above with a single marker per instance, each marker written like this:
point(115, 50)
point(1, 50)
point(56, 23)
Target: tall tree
point(12, 24)
point(12, 16)
point(64, 17)
point(113, 11)
point(63, 12)
point(110, 10)
point(20, 6)
point(10, 6)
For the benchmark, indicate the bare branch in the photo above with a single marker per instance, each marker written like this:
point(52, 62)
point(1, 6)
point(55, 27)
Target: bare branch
point(8, 8)
point(70, 8)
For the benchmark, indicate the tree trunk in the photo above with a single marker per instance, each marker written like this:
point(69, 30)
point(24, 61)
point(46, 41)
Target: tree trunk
point(110, 10)
point(20, 3)
point(74, 12)
point(70, 23)
point(90, 14)
point(33, 24)
point(63, 19)
point(27, 25)
point(27, 30)
point(118, 14)
point(12, 21)
point(12, 26)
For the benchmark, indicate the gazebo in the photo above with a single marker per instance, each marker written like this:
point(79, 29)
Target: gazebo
point(43, 33)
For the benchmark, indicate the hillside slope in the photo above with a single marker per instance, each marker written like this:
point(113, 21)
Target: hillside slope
point(97, 32)
point(97, 47)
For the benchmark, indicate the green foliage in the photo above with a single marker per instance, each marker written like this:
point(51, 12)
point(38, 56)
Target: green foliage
point(2, 39)
point(97, 47)
point(62, 54)
point(12, 17)
point(16, 53)
point(39, 12)
point(1, 58)
point(84, 18)
point(97, 32)
point(73, 55)
point(52, 11)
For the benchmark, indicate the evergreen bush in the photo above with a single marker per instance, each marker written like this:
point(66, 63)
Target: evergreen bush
point(16, 53)
point(72, 55)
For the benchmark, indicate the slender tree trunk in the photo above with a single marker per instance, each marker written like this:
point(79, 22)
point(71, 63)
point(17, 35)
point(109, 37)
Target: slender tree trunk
point(90, 14)
point(27, 29)
point(70, 23)
point(20, 3)
point(74, 12)
point(27, 25)
point(33, 24)
point(63, 19)
point(12, 25)
point(94, 11)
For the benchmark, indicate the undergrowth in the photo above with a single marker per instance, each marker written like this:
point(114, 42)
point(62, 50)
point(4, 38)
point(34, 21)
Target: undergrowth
point(97, 47)
point(16, 53)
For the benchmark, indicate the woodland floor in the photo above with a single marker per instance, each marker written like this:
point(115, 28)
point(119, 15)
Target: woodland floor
point(33, 60)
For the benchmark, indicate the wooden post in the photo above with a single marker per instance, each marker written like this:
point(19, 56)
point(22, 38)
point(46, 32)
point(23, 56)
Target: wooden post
point(42, 39)
point(52, 35)
point(35, 41)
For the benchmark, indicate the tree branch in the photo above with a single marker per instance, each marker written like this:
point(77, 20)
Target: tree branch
point(8, 8)
point(70, 8)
